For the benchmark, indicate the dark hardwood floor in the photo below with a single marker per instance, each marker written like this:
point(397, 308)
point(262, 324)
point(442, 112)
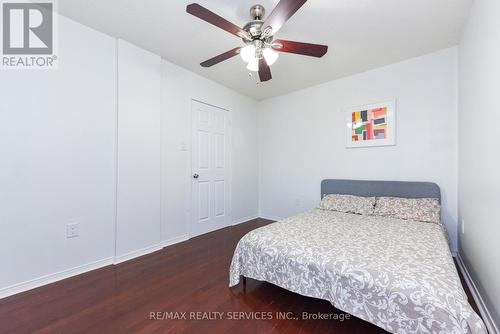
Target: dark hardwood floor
point(188, 277)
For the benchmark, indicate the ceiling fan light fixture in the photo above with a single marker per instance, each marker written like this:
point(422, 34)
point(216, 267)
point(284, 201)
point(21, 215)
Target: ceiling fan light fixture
point(253, 65)
point(260, 49)
point(270, 55)
point(248, 53)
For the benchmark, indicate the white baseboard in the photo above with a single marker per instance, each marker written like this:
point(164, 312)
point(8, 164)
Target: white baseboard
point(485, 313)
point(51, 278)
point(150, 249)
point(269, 217)
point(173, 241)
point(245, 219)
point(137, 253)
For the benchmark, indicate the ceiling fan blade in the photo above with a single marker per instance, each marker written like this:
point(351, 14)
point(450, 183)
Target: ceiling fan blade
point(306, 49)
point(264, 70)
point(221, 57)
point(206, 15)
point(283, 11)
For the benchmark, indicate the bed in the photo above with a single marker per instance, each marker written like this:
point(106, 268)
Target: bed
point(397, 274)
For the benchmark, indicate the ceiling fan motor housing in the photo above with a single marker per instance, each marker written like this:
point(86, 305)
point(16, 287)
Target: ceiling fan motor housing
point(254, 28)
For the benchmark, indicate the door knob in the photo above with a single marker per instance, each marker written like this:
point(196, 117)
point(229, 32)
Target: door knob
point(195, 176)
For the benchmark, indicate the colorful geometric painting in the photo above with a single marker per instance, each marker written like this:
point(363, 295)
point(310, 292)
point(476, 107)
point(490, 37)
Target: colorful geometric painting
point(369, 124)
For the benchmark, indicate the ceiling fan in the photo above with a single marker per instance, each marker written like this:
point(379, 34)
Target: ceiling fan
point(260, 46)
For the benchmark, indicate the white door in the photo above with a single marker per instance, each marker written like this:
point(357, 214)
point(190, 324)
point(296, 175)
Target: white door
point(211, 168)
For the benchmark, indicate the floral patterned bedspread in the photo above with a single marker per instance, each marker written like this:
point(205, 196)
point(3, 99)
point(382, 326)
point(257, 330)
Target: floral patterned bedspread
point(396, 274)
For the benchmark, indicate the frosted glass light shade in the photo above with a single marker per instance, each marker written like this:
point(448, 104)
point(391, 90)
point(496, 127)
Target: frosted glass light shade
point(270, 55)
point(253, 65)
point(248, 53)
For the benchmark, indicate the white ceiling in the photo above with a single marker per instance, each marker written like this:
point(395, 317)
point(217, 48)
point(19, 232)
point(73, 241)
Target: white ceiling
point(361, 34)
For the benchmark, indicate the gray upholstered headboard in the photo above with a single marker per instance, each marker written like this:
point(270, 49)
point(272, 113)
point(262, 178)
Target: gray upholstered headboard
point(381, 188)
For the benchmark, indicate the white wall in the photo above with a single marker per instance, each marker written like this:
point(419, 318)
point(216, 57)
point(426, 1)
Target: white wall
point(179, 86)
point(302, 135)
point(57, 142)
point(69, 156)
point(479, 153)
point(139, 153)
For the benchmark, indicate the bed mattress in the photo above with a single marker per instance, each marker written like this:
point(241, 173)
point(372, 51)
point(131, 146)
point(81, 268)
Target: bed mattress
point(396, 274)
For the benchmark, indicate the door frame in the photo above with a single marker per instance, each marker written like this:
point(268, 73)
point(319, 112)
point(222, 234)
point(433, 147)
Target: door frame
point(189, 176)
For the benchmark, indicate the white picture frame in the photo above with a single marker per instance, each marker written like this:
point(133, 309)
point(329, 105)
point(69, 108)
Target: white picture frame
point(374, 126)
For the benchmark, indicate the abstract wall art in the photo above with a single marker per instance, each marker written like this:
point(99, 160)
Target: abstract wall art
point(371, 125)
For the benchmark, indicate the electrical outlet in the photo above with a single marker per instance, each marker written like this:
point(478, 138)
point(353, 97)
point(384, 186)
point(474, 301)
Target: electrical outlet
point(72, 230)
point(463, 226)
